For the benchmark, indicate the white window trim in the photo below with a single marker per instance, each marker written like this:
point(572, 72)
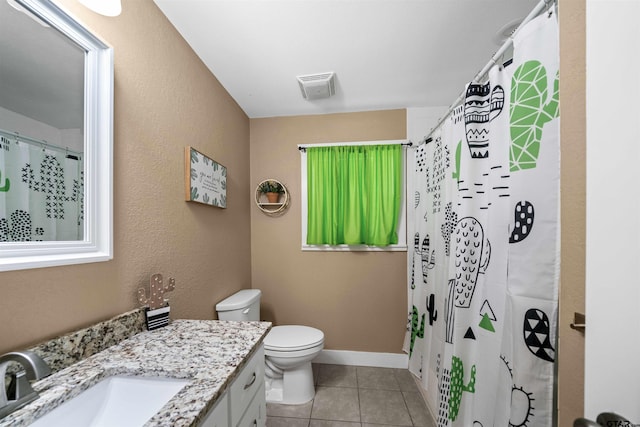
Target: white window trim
point(401, 246)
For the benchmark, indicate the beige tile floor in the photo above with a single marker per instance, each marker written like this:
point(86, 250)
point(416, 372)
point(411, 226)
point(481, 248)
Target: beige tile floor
point(356, 396)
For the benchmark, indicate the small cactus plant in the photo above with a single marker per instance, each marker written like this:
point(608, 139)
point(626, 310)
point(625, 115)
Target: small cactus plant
point(157, 289)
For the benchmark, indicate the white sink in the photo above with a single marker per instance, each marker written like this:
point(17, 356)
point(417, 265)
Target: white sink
point(121, 401)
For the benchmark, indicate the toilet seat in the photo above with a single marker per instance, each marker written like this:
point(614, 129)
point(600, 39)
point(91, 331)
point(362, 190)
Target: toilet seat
point(293, 338)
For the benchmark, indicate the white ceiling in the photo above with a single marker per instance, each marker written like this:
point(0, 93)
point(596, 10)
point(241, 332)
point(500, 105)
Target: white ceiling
point(386, 53)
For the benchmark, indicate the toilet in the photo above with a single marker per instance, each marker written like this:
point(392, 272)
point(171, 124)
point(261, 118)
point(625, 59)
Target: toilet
point(288, 350)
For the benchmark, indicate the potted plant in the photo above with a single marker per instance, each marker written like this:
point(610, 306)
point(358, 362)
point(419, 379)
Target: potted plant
point(272, 189)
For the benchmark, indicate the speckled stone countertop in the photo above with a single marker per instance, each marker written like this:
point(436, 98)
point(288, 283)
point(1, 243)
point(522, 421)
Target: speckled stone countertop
point(210, 353)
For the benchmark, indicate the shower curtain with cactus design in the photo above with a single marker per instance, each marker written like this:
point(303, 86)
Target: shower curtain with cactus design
point(41, 193)
point(483, 269)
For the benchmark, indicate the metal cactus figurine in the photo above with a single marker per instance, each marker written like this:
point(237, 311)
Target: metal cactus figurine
point(157, 289)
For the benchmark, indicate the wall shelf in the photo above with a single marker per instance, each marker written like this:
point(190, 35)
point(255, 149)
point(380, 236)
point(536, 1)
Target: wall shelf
point(272, 208)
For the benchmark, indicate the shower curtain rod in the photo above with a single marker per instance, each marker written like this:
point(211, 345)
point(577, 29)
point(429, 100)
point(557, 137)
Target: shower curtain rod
point(542, 4)
point(403, 142)
point(41, 143)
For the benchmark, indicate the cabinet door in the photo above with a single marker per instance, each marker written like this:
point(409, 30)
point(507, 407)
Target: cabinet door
point(219, 415)
point(246, 385)
point(256, 415)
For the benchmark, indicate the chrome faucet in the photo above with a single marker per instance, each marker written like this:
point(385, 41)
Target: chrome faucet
point(21, 392)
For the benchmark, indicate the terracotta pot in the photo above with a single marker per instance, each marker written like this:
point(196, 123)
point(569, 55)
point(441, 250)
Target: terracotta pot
point(273, 197)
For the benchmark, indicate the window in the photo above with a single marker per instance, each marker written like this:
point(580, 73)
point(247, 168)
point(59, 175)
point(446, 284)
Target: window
point(364, 208)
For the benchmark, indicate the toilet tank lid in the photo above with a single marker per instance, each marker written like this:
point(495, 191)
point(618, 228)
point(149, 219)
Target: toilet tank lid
point(239, 300)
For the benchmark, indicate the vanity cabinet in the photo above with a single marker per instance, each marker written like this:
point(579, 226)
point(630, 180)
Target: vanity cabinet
point(243, 404)
point(219, 415)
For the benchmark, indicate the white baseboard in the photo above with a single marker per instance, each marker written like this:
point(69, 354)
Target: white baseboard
point(363, 358)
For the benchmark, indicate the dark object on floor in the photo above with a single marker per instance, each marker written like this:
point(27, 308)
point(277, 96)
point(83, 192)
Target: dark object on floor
point(610, 418)
point(605, 419)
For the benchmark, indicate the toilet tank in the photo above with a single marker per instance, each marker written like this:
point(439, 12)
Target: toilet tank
point(243, 305)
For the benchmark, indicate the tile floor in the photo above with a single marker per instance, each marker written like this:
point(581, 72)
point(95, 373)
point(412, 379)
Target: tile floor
point(356, 396)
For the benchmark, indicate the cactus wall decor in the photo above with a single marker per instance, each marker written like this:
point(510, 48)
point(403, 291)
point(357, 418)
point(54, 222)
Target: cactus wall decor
point(157, 290)
point(530, 109)
point(205, 179)
point(481, 105)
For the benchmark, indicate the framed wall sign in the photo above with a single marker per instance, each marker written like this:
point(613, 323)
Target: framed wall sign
point(205, 179)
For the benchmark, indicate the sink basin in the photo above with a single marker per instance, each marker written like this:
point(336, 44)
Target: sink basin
point(115, 401)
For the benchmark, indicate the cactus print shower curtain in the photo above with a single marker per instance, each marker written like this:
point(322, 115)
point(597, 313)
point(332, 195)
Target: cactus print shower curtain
point(41, 193)
point(485, 258)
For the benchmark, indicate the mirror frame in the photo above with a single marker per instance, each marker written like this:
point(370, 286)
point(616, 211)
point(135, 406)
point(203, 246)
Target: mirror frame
point(98, 155)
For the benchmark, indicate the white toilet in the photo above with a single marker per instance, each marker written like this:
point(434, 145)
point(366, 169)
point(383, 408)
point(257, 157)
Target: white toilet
point(288, 350)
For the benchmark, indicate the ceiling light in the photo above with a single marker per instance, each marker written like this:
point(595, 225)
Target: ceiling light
point(505, 32)
point(317, 86)
point(104, 7)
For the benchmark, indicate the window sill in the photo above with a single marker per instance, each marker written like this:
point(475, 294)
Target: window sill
point(355, 248)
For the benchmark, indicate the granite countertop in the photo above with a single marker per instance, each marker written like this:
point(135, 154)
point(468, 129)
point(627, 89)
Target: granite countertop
point(210, 353)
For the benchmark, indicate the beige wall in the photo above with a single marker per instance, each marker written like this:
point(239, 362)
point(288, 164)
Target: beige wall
point(573, 199)
point(358, 299)
point(165, 98)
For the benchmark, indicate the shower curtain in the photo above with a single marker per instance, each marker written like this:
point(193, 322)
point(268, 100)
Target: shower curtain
point(41, 193)
point(483, 270)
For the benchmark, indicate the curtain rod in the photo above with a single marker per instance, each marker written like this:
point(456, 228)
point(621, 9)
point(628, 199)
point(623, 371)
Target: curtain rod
point(403, 142)
point(41, 143)
point(542, 4)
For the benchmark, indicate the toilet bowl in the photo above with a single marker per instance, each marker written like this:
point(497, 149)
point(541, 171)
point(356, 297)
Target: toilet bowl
point(288, 350)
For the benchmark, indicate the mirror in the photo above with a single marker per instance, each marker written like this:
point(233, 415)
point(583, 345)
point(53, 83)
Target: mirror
point(56, 120)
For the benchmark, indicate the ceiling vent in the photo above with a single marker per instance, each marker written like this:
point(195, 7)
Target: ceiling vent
point(317, 86)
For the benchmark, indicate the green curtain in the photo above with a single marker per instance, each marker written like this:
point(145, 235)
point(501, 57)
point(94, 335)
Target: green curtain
point(354, 194)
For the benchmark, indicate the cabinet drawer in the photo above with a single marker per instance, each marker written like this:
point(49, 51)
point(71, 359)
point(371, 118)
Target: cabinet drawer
point(256, 415)
point(246, 385)
point(219, 415)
